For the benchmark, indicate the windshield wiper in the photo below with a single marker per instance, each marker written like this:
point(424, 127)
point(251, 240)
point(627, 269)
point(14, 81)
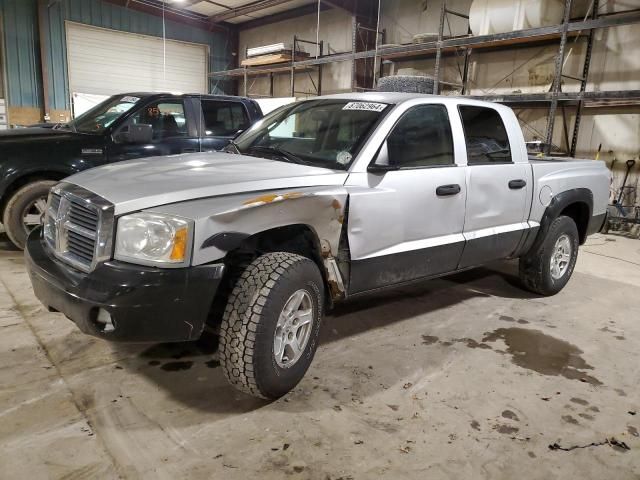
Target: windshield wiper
point(233, 144)
point(286, 155)
point(63, 126)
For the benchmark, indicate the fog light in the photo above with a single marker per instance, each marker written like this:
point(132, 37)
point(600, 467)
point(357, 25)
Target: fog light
point(104, 318)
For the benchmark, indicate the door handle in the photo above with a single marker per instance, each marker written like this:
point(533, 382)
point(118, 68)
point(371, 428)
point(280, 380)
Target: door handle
point(517, 184)
point(444, 190)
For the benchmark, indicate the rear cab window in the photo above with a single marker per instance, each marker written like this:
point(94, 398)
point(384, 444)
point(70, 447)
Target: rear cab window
point(485, 136)
point(223, 118)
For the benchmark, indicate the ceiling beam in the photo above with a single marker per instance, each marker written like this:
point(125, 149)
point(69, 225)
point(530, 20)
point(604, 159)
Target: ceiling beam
point(349, 6)
point(187, 17)
point(282, 16)
point(246, 10)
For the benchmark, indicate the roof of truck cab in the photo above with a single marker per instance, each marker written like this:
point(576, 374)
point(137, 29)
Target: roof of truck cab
point(174, 94)
point(400, 97)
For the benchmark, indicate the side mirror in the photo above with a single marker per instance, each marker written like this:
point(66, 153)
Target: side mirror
point(382, 161)
point(135, 133)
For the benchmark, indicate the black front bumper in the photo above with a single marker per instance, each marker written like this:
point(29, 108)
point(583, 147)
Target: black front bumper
point(146, 304)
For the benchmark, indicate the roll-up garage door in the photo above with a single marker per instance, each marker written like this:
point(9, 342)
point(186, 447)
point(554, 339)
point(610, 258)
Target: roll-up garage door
point(107, 62)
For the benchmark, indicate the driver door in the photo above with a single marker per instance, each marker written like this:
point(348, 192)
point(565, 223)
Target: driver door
point(406, 222)
point(174, 131)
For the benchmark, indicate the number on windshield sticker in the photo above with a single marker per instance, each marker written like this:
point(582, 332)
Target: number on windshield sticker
point(367, 106)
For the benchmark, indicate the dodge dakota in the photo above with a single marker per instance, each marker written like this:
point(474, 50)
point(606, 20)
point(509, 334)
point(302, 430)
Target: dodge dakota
point(318, 202)
point(123, 127)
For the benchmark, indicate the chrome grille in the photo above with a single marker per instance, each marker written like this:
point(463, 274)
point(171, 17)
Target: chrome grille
point(54, 201)
point(78, 226)
point(85, 217)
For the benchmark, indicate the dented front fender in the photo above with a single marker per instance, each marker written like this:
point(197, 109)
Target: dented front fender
point(222, 222)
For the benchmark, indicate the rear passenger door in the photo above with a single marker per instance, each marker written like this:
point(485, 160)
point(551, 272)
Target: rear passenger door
point(220, 122)
point(498, 188)
point(407, 223)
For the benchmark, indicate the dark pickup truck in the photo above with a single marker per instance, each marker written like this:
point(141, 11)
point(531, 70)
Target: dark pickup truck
point(123, 127)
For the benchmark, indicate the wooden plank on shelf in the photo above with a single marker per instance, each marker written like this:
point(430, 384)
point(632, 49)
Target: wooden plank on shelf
point(271, 59)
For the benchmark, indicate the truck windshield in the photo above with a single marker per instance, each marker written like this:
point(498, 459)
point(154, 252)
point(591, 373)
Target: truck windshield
point(104, 114)
point(322, 133)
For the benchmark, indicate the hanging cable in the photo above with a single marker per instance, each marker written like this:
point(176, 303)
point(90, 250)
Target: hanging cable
point(164, 50)
point(318, 32)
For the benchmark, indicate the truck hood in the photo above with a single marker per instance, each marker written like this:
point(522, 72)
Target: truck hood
point(24, 135)
point(154, 181)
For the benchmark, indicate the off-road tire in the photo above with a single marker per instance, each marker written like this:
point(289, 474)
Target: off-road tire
point(535, 267)
point(12, 217)
point(250, 318)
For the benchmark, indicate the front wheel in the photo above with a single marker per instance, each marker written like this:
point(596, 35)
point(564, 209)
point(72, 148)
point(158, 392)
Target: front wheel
point(25, 210)
point(548, 269)
point(270, 327)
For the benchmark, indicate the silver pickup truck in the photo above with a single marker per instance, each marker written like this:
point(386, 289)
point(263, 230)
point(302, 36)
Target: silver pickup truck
point(320, 201)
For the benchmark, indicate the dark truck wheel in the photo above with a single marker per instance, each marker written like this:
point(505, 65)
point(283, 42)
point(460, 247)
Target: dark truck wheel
point(25, 210)
point(269, 331)
point(548, 269)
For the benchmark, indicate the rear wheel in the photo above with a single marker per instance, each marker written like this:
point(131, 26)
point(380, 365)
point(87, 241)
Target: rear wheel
point(548, 269)
point(270, 327)
point(25, 210)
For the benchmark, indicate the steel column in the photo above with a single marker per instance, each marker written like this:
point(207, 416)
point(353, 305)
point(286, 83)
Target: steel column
point(583, 81)
point(557, 77)
point(436, 72)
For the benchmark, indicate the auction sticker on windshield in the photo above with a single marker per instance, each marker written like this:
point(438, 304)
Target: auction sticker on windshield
point(129, 99)
point(367, 106)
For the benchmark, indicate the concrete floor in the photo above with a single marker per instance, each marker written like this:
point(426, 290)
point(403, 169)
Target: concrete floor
point(465, 377)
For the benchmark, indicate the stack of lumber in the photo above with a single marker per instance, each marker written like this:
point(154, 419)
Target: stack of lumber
point(271, 54)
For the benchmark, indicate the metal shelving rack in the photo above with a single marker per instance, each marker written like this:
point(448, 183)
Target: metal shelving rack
point(555, 34)
point(289, 68)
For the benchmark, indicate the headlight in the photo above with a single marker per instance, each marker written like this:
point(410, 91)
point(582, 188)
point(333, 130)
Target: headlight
point(151, 238)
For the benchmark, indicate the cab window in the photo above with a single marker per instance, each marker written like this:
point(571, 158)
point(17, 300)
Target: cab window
point(167, 119)
point(422, 138)
point(224, 119)
point(485, 135)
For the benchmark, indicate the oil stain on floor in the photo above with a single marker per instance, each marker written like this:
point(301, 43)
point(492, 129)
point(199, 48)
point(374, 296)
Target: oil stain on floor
point(534, 350)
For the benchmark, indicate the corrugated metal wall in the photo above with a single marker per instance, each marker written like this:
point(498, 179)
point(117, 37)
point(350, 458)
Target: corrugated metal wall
point(107, 15)
point(22, 51)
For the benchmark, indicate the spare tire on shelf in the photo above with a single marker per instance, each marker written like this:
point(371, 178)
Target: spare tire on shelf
point(406, 84)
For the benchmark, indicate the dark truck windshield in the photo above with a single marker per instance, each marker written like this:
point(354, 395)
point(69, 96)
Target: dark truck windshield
point(104, 114)
point(322, 133)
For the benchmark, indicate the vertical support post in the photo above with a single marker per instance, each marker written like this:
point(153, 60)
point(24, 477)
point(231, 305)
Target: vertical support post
point(583, 82)
point(383, 34)
point(465, 69)
point(436, 72)
point(565, 128)
point(246, 81)
point(319, 89)
point(557, 78)
point(43, 31)
point(293, 68)
point(354, 32)
point(245, 77)
point(271, 84)
point(375, 55)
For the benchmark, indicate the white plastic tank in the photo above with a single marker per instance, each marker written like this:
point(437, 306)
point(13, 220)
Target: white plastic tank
point(499, 16)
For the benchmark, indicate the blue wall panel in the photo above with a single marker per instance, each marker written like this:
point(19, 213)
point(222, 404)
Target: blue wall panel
point(22, 51)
